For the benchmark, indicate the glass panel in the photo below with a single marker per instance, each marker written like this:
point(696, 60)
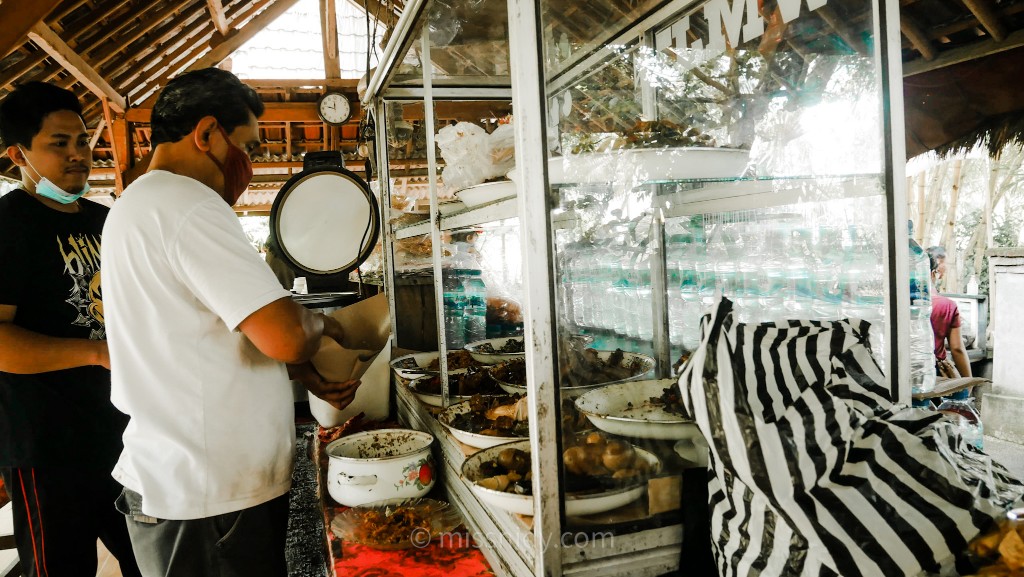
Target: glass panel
point(759, 138)
point(469, 45)
point(575, 29)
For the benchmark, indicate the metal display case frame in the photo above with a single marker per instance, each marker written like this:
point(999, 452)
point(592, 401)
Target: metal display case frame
point(543, 550)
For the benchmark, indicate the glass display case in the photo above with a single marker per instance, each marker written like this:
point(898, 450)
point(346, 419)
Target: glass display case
point(666, 154)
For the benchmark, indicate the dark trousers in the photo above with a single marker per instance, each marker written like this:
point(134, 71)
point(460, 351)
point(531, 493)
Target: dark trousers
point(248, 543)
point(59, 513)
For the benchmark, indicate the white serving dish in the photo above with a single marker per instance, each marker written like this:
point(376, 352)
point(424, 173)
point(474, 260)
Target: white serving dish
point(435, 400)
point(486, 192)
point(381, 464)
point(575, 505)
point(640, 165)
point(421, 360)
point(573, 392)
point(493, 358)
point(626, 409)
point(465, 437)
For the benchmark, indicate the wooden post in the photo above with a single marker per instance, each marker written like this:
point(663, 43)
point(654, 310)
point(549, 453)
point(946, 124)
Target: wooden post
point(116, 145)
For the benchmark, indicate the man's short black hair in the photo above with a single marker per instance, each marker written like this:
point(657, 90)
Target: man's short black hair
point(207, 92)
point(23, 110)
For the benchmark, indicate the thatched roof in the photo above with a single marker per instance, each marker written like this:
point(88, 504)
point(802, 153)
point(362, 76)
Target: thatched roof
point(962, 59)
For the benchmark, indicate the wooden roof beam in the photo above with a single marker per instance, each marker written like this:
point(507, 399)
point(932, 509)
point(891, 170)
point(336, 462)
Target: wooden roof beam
point(220, 23)
point(48, 40)
point(965, 53)
point(982, 10)
point(113, 29)
point(329, 34)
point(244, 34)
point(918, 39)
point(160, 53)
point(18, 19)
point(273, 112)
point(158, 41)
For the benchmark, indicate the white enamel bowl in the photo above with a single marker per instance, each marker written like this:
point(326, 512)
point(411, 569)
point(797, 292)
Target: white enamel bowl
point(381, 464)
point(575, 505)
point(626, 409)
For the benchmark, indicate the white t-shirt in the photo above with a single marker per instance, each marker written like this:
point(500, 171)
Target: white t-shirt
point(212, 420)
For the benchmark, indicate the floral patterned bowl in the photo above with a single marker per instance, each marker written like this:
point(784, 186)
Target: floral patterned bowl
point(378, 465)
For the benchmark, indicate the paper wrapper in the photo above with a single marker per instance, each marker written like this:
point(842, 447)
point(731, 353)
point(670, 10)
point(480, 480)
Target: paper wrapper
point(367, 327)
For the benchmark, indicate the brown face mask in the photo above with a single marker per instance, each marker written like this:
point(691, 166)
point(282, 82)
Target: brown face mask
point(236, 168)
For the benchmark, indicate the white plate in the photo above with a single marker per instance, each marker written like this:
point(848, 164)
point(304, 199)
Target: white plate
point(494, 358)
point(693, 450)
point(465, 437)
point(639, 165)
point(487, 192)
point(573, 392)
point(574, 504)
point(626, 409)
point(422, 361)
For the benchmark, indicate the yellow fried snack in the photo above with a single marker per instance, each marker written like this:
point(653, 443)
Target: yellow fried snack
point(1011, 551)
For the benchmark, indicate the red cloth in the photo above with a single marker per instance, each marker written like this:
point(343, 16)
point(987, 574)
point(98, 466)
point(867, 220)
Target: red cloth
point(945, 317)
point(454, 556)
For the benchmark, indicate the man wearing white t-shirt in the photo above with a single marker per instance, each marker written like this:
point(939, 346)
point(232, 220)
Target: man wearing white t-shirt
point(199, 333)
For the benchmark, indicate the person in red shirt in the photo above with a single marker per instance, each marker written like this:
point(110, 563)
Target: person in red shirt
point(946, 319)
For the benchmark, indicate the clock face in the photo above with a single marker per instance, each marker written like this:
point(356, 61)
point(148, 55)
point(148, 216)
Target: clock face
point(334, 108)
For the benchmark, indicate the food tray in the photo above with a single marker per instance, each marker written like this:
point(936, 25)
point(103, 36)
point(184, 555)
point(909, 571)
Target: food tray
point(641, 165)
point(487, 192)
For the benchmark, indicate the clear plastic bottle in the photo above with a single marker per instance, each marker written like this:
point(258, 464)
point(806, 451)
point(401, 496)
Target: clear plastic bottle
point(474, 292)
point(922, 338)
point(454, 310)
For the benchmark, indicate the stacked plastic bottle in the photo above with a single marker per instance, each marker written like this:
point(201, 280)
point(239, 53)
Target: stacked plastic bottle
point(922, 339)
point(454, 309)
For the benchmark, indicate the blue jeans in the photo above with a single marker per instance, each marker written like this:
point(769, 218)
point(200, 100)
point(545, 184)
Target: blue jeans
point(248, 543)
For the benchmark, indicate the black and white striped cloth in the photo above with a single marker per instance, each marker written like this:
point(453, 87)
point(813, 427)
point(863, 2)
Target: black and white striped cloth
point(813, 470)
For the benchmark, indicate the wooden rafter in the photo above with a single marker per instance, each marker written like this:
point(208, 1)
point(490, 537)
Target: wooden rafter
point(220, 23)
point(982, 10)
point(119, 167)
point(116, 28)
point(918, 39)
point(329, 33)
point(160, 36)
point(246, 32)
point(958, 55)
point(48, 40)
point(18, 18)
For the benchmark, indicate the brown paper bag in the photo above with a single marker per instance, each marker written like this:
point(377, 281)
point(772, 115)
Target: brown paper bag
point(367, 327)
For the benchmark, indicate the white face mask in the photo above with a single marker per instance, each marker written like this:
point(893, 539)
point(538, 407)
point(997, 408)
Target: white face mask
point(49, 190)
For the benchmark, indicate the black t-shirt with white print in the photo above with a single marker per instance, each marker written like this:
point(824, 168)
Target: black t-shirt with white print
point(50, 263)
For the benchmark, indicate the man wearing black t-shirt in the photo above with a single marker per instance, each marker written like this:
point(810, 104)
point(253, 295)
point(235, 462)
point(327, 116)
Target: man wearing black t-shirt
point(59, 434)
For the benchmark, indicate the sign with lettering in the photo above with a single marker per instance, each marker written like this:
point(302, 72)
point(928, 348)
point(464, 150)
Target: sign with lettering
point(737, 21)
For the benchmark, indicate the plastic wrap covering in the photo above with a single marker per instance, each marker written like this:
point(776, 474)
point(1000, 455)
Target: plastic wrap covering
point(472, 156)
point(814, 471)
